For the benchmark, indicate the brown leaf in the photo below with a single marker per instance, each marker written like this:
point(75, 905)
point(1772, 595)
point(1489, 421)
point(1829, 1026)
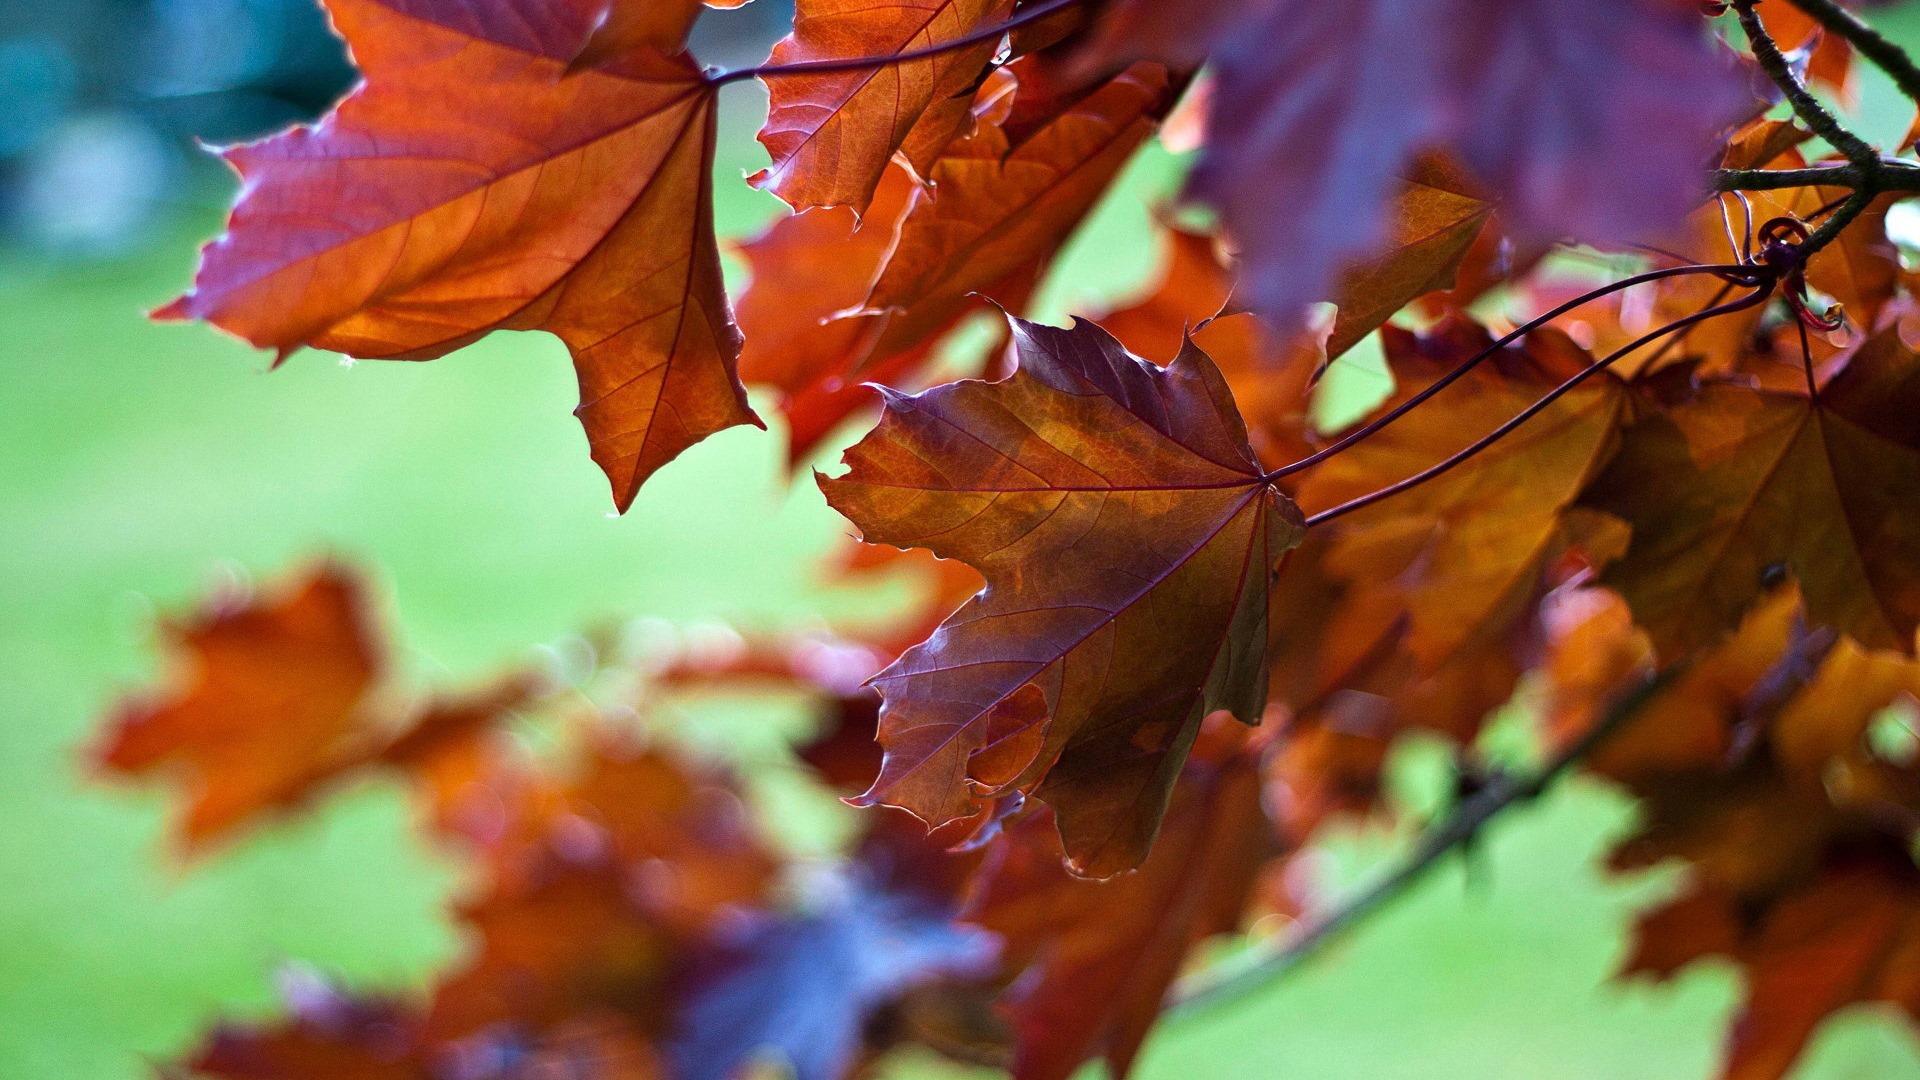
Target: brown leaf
point(638, 808)
point(1126, 533)
point(808, 270)
point(1827, 58)
point(471, 184)
point(1752, 765)
point(1433, 219)
point(629, 25)
point(327, 1036)
point(1099, 956)
point(1326, 103)
point(1470, 549)
point(1850, 936)
point(274, 702)
point(1728, 489)
point(832, 134)
point(998, 208)
point(283, 699)
point(575, 943)
point(1271, 382)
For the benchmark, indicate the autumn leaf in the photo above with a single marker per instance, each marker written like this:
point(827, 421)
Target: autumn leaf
point(1752, 765)
point(471, 184)
point(1271, 381)
point(274, 700)
point(1828, 58)
point(1470, 549)
point(283, 698)
point(805, 985)
point(807, 272)
point(1850, 936)
point(1433, 220)
point(1731, 488)
point(327, 1035)
point(836, 300)
point(831, 134)
point(629, 25)
point(1329, 102)
point(636, 807)
point(1126, 583)
point(1341, 661)
point(1103, 953)
point(998, 208)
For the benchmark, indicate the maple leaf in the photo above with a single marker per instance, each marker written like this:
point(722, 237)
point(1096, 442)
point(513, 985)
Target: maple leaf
point(1752, 765)
point(1467, 550)
point(804, 985)
point(1331, 762)
point(1329, 101)
point(1850, 936)
point(327, 1035)
point(831, 134)
point(834, 297)
point(1435, 216)
point(807, 272)
point(1728, 488)
point(1002, 201)
point(283, 698)
point(1098, 956)
point(1126, 534)
point(472, 184)
point(1405, 614)
point(629, 25)
point(638, 808)
point(272, 704)
point(1827, 58)
point(1341, 659)
point(1271, 382)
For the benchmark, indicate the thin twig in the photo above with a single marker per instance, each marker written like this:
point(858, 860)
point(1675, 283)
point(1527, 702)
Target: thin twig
point(1884, 54)
point(1466, 822)
point(1805, 105)
point(869, 63)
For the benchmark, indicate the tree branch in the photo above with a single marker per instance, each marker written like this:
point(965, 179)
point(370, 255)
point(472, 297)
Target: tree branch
point(1805, 105)
point(1468, 819)
point(1884, 54)
point(1887, 176)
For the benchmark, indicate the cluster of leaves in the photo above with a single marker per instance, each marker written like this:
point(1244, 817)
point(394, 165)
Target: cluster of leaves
point(1690, 493)
point(626, 916)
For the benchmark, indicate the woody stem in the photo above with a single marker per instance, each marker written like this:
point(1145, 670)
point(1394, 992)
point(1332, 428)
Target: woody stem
point(1884, 54)
point(1460, 827)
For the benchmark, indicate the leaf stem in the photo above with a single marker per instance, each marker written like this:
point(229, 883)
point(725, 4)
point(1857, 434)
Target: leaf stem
point(1886, 55)
point(869, 63)
point(1509, 338)
point(1213, 987)
point(1758, 296)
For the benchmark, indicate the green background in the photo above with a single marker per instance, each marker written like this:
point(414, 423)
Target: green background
point(143, 462)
